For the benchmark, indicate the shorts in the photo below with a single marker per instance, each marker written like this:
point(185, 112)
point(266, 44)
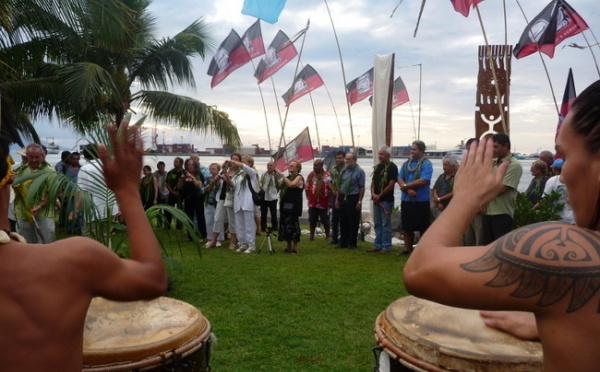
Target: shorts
point(316, 214)
point(415, 215)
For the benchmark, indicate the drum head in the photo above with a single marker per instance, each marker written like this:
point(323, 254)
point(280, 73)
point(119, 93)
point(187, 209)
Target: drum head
point(118, 332)
point(437, 337)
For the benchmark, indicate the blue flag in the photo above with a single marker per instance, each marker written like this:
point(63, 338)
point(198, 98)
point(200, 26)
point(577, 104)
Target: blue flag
point(267, 10)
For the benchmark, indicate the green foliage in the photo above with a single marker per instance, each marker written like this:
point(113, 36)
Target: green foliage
point(549, 209)
point(101, 225)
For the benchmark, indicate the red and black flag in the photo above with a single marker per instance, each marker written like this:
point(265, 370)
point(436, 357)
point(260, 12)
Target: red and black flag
point(360, 88)
point(568, 98)
point(280, 51)
point(464, 6)
point(557, 22)
point(230, 56)
point(400, 96)
point(253, 40)
point(307, 80)
point(299, 149)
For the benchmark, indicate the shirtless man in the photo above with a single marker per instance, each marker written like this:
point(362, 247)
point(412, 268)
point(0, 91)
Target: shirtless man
point(551, 269)
point(46, 289)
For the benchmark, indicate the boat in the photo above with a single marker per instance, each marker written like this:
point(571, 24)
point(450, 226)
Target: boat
point(51, 147)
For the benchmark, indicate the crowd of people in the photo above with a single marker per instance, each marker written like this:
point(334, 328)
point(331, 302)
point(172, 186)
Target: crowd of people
point(219, 198)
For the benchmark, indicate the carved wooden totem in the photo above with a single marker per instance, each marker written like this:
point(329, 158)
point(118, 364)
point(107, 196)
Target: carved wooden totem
point(493, 93)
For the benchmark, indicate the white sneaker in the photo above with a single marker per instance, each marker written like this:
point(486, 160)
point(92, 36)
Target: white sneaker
point(242, 248)
point(251, 249)
point(218, 244)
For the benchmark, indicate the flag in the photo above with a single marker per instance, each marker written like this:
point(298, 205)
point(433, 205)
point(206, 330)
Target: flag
point(267, 10)
point(568, 98)
point(299, 149)
point(400, 96)
point(253, 40)
point(230, 56)
point(464, 6)
point(307, 80)
point(280, 52)
point(557, 22)
point(360, 88)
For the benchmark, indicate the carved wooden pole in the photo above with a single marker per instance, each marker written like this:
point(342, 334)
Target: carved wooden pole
point(493, 82)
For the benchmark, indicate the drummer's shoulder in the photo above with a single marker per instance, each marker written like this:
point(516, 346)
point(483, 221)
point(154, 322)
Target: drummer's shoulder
point(537, 257)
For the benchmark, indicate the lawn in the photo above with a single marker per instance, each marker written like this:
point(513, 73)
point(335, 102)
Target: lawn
point(278, 312)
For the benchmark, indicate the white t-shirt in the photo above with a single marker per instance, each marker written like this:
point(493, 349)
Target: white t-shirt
point(555, 184)
point(91, 179)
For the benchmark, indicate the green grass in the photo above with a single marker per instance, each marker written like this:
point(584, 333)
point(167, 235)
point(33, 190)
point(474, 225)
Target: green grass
point(276, 312)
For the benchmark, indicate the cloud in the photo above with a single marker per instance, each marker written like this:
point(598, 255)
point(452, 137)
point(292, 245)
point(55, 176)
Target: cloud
point(445, 48)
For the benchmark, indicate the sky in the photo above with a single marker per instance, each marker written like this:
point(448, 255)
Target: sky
point(439, 66)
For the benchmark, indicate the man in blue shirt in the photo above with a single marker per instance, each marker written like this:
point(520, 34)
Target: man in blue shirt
point(414, 178)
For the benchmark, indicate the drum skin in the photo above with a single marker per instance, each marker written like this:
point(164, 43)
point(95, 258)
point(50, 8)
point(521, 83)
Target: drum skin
point(140, 335)
point(424, 335)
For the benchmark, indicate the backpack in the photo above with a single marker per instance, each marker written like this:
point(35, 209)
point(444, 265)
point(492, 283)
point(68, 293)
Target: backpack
point(257, 197)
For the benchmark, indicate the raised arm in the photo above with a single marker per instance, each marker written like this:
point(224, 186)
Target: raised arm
point(143, 276)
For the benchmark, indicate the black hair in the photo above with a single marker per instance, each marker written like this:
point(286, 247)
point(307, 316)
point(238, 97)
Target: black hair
point(502, 139)
point(586, 117)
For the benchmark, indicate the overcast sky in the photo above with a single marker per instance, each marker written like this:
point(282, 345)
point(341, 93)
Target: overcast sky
point(445, 47)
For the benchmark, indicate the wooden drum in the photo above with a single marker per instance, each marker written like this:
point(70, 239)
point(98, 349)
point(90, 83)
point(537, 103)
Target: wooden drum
point(420, 335)
point(145, 336)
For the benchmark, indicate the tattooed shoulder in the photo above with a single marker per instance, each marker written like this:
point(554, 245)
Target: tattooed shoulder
point(550, 259)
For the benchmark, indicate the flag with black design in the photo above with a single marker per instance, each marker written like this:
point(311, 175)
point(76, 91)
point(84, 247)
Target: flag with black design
point(464, 6)
point(253, 40)
point(230, 56)
point(400, 95)
point(557, 22)
point(267, 10)
point(307, 80)
point(299, 149)
point(568, 98)
point(278, 54)
point(360, 88)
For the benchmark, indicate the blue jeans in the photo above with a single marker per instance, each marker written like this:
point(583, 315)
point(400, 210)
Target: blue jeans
point(383, 225)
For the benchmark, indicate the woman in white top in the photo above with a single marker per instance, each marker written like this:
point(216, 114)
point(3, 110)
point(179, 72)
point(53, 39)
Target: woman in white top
point(243, 205)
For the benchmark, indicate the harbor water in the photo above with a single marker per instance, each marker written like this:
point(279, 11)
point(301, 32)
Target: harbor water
point(260, 164)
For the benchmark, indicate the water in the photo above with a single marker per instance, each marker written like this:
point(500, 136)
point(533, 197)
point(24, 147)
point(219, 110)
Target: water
point(260, 164)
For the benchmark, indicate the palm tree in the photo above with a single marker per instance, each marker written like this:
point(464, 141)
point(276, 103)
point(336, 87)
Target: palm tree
point(76, 69)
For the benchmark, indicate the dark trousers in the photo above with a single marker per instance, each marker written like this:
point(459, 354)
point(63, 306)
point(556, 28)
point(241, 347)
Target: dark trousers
point(173, 200)
point(194, 207)
point(495, 226)
point(335, 223)
point(349, 220)
point(271, 207)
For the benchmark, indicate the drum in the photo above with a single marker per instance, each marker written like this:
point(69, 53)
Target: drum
point(420, 335)
point(158, 335)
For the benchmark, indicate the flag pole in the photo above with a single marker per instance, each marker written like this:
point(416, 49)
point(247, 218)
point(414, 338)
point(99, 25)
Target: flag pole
point(493, 67)
point(334, 112)
point(314, 112)
point(287, 110)
point(343, 73)
point(591, 51)
point(543, 62)
point(279, 113)
point(262, 99)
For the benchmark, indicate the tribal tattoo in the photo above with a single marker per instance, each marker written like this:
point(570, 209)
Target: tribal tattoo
point(549, 259)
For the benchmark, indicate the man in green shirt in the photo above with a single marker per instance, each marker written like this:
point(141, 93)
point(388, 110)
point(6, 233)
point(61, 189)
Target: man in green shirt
point(35, 220)
point(499, 213)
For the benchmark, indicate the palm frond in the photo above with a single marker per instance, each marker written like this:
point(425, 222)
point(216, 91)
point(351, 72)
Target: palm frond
point(189, 113)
